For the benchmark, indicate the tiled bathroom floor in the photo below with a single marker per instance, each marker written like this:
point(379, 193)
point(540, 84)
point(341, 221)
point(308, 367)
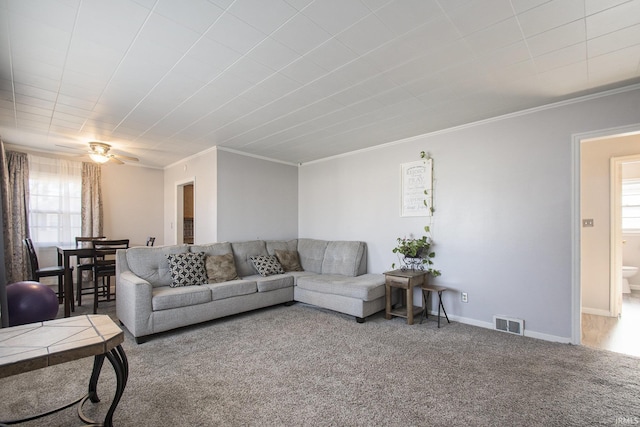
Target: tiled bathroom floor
point(618, 335)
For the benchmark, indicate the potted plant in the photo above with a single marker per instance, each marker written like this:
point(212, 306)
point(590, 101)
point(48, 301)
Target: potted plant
point(416, 254)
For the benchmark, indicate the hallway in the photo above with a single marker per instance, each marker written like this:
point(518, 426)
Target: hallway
point(618, 335)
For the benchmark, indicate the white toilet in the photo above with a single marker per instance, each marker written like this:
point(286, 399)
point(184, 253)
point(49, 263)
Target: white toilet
point(627, 271)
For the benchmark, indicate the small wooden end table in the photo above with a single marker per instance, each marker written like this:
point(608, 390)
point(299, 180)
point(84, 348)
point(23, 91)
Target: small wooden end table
point(406, 280)
point(38, 345)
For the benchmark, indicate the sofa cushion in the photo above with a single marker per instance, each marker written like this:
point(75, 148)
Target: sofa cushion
point(297, 274)
point(267, 265)
point(151, 263)
point(242, 253)
point(213, 248)
point(187, 269)
point(289, 260)
point(221, 268)
point(166, 297)
point(366, 287)
point(233, 288)
point(272, 283)
point(282, 245)
point(342, 258)
point(311, 254)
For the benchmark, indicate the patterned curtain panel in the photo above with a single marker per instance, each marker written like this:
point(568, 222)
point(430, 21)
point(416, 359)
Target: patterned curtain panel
point(91, 200)
point(15, 216)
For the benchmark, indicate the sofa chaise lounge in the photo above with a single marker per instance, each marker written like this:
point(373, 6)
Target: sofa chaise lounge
point(330, 274)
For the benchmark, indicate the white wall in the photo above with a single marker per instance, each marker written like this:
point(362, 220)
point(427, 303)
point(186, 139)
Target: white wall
point(133, 203)
point(503, 197)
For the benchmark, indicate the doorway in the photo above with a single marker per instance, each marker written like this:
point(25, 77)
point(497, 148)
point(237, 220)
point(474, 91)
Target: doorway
point(597, 236)
point(185, 212)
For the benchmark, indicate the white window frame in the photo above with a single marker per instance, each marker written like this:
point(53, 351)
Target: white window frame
point(55, 194)
point(630, 186)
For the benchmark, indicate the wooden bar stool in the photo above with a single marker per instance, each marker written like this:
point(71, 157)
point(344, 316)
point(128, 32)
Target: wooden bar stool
point(426, 291)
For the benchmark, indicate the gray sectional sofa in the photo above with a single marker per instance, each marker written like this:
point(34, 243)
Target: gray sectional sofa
point(333, 276)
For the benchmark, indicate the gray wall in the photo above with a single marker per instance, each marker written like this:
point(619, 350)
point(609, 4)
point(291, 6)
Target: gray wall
point(503, 199)
point(236, 197)
point(202, 169)
point(257, 199)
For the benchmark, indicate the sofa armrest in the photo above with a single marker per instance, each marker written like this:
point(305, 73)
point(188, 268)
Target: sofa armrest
point(133, 303)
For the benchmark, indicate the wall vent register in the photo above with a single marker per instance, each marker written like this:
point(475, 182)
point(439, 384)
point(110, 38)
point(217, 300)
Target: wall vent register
point(509, 325)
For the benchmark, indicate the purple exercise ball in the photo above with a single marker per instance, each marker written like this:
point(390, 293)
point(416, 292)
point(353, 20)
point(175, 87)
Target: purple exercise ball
point(31, 302)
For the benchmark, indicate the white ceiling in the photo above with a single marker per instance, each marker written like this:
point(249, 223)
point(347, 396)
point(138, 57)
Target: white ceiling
point(294, 80)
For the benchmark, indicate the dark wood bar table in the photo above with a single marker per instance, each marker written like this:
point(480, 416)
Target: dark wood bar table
point(64, 255)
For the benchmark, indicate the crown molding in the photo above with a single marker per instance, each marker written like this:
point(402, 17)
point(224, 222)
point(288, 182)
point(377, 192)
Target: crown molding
point(525, 112)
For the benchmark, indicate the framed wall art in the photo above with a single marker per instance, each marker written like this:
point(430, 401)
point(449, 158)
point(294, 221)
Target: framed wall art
point(417, 186)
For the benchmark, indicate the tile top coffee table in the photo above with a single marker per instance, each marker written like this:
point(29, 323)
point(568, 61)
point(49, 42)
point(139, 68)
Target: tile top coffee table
point(38, 345)
point(407, 280)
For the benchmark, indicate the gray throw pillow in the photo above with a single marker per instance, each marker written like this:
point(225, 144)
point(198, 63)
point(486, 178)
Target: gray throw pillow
point(221, 268)
point(266, 265)
point(187, 269)
point(289, 260)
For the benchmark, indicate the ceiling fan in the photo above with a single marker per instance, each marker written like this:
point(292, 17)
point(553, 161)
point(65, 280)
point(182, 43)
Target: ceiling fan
point(99, 153)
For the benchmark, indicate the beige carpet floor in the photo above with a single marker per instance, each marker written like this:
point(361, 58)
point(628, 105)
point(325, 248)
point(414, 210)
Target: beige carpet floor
point(302, 366)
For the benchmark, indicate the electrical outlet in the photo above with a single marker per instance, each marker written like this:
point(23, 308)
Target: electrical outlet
point(465, 297)
point(587, 222)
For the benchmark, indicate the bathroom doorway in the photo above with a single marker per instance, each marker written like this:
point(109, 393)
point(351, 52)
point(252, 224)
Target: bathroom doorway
point(625, 228)
point(598, 223)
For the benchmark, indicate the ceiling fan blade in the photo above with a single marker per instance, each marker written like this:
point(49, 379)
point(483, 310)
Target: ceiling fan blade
point(132, 159)
point(71, 148)
point(116, 160)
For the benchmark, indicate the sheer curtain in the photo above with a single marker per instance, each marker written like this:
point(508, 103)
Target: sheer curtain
point(91, 200)
point(55, 194)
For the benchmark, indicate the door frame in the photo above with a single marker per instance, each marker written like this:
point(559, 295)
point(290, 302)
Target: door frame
point(179, 212)
point(576, 220)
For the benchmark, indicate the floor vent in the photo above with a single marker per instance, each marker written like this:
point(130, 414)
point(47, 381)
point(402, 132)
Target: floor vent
point(508, 324)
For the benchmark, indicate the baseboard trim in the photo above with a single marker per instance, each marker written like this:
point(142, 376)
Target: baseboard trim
point(596, 311)
point(527, 333)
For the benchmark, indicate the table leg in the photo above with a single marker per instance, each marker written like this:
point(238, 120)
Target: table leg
point(439, 305)
point(118, 360)
point(409, 305)
point(68, 284)
point(442, 305)
point(387, 312)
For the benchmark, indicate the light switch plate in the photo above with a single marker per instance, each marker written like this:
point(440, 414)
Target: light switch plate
point(587, 222)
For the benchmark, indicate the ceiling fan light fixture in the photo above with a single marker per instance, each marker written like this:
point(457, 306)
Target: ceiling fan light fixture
point(99, 158)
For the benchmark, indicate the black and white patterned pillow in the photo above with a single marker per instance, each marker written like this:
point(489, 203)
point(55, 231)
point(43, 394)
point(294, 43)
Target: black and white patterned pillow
point(187, 269)
point(266, 265)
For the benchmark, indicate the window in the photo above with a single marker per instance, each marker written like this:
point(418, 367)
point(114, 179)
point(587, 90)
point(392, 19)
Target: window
point(55, 187)
point(631, 205)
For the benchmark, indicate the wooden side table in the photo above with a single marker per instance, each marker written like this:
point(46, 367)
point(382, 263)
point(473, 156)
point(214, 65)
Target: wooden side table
point(406, 280)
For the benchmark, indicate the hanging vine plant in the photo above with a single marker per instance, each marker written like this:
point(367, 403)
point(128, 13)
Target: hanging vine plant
point(416, 253)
